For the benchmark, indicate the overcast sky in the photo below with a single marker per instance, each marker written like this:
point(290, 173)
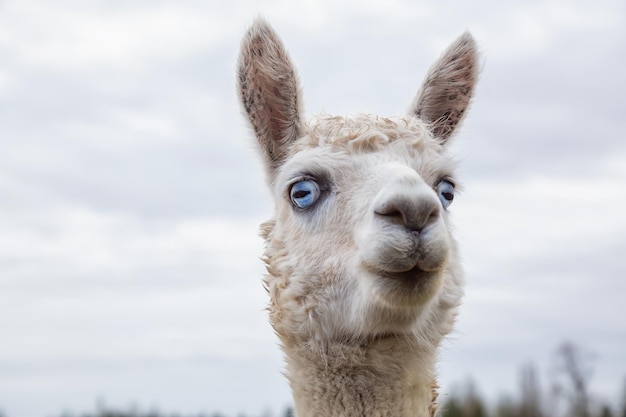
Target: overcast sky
point(130, 191)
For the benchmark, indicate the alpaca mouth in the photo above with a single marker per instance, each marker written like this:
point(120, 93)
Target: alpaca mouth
point(408, 280)
point(407, 288)
point(411, 277)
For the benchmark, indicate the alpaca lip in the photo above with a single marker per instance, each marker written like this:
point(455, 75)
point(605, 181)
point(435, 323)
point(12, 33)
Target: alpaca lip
point(405, 288)
point(413, 275)
point(409, 277)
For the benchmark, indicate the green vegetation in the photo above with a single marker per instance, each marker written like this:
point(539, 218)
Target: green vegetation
point(567, 395)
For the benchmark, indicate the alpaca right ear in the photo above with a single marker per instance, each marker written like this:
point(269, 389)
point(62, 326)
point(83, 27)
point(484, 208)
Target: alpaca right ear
point(269, 92)
point(447, 90)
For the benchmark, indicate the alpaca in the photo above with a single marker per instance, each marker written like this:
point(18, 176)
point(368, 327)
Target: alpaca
point(363, 274)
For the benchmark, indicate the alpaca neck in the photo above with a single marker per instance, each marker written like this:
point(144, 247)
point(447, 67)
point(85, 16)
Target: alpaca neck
point(390, 377)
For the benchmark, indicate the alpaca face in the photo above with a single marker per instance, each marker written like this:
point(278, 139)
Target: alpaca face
point(359, 245)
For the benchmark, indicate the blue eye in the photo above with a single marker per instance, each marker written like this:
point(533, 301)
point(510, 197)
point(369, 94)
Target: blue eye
point(304, 193)
point(445, 191)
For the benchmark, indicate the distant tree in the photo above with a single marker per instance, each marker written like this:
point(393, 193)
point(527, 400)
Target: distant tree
point(467, 404)
point(573, 372)
point(622, 411)
point(451, 407)
point(605, 411)
point(289, 412)
point(474, 404)
point(530, 401)
point(506, 407)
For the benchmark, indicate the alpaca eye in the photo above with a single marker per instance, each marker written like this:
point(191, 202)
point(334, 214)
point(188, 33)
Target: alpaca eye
point(445, 190)
point(304, 193)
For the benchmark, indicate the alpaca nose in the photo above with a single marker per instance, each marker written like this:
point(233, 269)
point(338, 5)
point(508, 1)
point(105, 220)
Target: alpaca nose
point(413, 207)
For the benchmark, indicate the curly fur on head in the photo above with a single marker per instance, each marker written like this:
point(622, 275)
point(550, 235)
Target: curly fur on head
point(363, 272)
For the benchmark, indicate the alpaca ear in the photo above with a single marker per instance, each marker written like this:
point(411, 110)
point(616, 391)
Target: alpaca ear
point(269, 92)
point(447, 89)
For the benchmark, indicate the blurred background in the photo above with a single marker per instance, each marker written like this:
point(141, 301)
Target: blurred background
point(131, 193)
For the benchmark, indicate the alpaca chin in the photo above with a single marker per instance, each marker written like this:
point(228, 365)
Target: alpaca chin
point(405, 291)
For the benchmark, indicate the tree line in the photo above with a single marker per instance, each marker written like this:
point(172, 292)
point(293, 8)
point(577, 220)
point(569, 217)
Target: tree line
point(568, 395)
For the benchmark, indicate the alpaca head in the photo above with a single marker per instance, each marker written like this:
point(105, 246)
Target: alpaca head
point(359, 246)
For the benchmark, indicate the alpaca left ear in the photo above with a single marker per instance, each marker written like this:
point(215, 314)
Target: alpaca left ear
point(269, 92)
point(447, 89)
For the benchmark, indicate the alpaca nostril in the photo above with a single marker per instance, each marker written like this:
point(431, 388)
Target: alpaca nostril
point(413, 213)
point(389, 209)
point(391, 214)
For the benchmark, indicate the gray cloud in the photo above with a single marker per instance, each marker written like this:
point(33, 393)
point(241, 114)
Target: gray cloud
point(130, 191)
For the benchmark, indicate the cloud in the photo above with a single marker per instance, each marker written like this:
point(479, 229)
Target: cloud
point(542, 107)
point(129, 37)
point(130, 191)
